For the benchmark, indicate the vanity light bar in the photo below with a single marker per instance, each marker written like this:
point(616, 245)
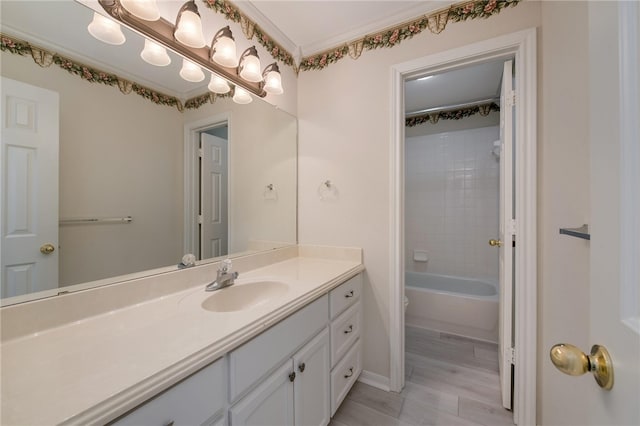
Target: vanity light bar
point(161, 31)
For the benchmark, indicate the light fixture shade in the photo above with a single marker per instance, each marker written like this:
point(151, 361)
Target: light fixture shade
point(106, 30)
point(188, 29)
point(191, 72)
point(223, 48)
point(272, 80)
point(241, 96)
point(155, 54)
point(249, 68)
point(218, 84)
point(143, 9)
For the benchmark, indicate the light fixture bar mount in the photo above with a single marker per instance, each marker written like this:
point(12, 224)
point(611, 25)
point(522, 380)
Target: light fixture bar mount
point(161, 31)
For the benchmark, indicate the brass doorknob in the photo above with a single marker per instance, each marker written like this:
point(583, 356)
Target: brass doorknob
point(495, 243)
point(572, 361)
point(47, 249)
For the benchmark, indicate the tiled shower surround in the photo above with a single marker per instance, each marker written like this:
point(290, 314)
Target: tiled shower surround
point(451, 202)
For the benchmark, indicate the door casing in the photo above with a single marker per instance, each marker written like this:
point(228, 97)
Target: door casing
point(522, 46)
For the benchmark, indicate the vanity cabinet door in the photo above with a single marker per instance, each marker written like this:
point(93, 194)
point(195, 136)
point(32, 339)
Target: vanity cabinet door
point(311, 385)
point(270, 404)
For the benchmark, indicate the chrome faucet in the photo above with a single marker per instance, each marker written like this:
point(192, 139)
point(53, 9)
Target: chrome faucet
point(224, 277)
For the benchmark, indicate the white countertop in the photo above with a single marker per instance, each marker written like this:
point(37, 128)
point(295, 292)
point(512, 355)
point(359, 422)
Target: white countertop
point(95, 369)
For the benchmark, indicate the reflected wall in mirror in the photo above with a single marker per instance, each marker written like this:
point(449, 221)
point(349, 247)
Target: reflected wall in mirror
point(122, 156)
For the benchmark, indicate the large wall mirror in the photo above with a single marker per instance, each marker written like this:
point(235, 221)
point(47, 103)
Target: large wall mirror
point(139, 184)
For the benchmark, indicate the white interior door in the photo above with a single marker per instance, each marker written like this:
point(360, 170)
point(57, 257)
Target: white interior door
point(29, 189)
point(213, 197)
point(506, 229)
point(615, 208)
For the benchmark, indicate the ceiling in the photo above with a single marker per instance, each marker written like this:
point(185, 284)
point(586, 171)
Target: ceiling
point(303, 27)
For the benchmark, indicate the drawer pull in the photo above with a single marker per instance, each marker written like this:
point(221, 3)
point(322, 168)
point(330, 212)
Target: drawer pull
point(350, 294)
point(349, 374)
point(301, 367)
point(169, 423)
point(292, 376)
point(349, 330)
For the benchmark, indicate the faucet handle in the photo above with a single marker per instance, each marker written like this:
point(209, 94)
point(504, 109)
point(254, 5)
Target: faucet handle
point(226, 265)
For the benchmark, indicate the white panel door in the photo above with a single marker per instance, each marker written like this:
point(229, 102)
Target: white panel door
point(311, 386)
point(615, 209)
point(506, 230)
point(29, 189)
point(213, 192)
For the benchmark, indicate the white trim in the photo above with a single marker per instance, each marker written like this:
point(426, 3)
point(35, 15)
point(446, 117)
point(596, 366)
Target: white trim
point(191, 141)
point(629, 13)
point(375, 380)
point(522, 44)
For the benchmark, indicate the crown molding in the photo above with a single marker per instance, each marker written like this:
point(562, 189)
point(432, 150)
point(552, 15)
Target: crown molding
point(253, 13)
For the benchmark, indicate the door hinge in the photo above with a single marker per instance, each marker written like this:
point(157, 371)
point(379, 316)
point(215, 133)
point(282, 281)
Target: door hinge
point(200, 152)
point(511, 99)
point(200, 220)
point(510, 355)
point(511, 226)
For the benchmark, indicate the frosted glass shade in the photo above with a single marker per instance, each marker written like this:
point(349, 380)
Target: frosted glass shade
point(250, 68)
point(189, 26)
point(224, 51)
point(191, 72)
point(143, 9)
point(241, 96)
point(273, 83)
point(218, 84)
point(106, 30)
point(155, 54)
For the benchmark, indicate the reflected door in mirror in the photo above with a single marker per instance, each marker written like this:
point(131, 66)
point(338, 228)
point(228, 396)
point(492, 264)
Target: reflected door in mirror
point(214, 174)
point(29, 189)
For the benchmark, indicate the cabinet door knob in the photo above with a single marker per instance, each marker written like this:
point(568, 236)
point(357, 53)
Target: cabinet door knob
point(349, 374)
point(301, 367)
point(292, 376)
point(350, 294)
point(349, 330)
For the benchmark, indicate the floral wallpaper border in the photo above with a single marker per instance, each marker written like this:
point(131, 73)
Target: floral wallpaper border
point(45, 59)
point(457, 114)
point(435, 22)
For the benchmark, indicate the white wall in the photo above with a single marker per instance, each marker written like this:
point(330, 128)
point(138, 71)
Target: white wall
point(344, 116)
point(451, 202)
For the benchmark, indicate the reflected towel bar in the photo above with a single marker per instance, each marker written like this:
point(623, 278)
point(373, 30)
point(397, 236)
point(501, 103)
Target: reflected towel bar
point(84, 220)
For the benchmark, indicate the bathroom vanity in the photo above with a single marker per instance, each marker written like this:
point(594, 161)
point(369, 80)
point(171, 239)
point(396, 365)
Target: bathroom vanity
point(281, 346)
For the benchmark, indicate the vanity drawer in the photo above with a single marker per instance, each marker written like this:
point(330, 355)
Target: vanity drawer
point(340, 298)
point(196, 400)
point(344, 375)
point(344, 331)
point(254, 359)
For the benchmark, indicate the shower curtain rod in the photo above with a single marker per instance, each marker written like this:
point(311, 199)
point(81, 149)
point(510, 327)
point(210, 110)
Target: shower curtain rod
point(451, 107)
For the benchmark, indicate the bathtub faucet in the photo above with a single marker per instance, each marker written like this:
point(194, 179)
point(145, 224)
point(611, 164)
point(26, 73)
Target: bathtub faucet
point(224, 277)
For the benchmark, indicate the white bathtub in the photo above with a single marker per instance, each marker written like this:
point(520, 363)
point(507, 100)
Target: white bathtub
point(455, 305)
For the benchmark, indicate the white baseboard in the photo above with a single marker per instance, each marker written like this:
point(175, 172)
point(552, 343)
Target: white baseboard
point(375, 380)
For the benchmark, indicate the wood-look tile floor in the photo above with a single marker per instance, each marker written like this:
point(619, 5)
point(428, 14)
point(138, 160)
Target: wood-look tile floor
point(450, 380)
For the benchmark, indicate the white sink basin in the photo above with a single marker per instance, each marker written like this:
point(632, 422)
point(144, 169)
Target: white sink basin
point(239, 297)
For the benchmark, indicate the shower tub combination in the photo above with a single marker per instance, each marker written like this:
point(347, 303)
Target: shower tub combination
point(456, 305)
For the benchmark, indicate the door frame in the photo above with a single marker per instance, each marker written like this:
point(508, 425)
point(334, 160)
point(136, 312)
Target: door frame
point(522, 45)
point(192, 132)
